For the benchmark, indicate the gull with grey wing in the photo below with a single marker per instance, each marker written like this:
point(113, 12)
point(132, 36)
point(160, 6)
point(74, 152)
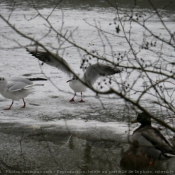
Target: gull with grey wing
point(92, 73)
point(15, 88)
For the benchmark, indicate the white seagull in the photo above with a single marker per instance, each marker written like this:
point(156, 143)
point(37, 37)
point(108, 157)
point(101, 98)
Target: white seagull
point(92, 73)
point(16, 88)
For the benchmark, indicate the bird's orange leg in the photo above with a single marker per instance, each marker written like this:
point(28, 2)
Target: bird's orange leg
point(72, 100)
point(24, 104)
point(81, 98)
point(9, 106)
point(151, 163)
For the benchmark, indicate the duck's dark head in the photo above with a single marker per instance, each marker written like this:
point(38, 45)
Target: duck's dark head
point(142, 118)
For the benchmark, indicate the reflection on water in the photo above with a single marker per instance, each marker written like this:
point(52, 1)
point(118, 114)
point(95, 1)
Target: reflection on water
point(63, 154)
point(85, 4)
point(58, 154)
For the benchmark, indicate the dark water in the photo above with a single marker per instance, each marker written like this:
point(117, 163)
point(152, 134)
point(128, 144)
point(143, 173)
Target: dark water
point(85, 4)
point(40, 151)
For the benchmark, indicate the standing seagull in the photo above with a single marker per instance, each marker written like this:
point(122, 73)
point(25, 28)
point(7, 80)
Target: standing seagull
point(93, 72)
point(15, 88)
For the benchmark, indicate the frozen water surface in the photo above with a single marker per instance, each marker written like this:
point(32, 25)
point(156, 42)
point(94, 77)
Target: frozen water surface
point(51, 134)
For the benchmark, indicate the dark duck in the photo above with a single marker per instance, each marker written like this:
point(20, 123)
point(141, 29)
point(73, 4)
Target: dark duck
point(149, 141)
point(147, 145)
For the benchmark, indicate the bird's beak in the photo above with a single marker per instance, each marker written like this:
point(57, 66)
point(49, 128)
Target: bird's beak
point(134, 121)
point(68, 81)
